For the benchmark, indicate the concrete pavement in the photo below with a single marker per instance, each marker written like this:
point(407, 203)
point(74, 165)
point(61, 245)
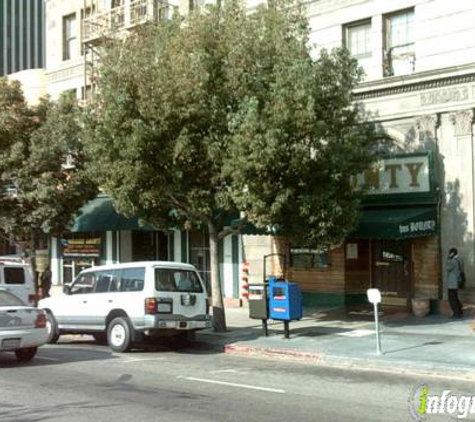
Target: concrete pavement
point(433, 345)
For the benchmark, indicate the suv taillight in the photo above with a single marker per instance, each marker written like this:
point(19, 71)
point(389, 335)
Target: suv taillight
point(150, 306)
point(33, 299)
point(40, 321)
point(208, 300)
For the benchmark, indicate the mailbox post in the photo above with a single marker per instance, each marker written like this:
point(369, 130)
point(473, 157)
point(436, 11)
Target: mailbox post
point(374, 296)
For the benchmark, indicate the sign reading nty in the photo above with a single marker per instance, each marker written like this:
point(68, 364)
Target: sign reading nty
point(396, 175)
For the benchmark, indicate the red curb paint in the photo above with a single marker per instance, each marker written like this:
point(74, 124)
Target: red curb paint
point(270, 352)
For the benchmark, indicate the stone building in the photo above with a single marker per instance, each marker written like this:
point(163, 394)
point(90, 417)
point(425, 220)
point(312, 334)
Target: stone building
point(419, 60)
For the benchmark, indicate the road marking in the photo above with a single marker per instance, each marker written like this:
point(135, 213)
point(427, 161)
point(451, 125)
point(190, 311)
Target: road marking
point(232, 384)
point(221, 371)
point(139, 360)
point(51, 359)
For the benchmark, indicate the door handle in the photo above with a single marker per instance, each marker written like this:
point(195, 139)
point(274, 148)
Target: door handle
point(84, 301)
point(110, 301)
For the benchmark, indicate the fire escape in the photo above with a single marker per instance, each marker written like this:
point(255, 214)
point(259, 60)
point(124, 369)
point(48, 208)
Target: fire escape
point(102, 23)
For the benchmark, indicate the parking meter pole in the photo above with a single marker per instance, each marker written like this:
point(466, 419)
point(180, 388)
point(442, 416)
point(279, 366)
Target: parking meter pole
point(376, 322)
point(264, 327)
point(286, 329)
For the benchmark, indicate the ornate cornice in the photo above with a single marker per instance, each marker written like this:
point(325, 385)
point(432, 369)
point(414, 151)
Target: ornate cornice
point(415, 86)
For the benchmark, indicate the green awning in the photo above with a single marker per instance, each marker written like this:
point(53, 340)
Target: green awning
point(100, 215)
point(397, 223)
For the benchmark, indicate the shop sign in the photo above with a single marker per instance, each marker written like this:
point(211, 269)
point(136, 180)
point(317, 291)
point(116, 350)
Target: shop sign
point(396, 175)
point(81, 247)
point(417, 227)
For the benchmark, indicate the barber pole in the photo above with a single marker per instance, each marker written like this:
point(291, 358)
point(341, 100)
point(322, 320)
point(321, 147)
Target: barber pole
point(245, 280)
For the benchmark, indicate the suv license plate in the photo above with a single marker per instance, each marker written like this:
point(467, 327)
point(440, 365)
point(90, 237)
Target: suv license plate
point(11, 343)
point(182, 324)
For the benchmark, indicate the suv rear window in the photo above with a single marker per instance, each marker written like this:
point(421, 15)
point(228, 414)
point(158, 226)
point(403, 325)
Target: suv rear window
point(14, 275)
point(174, 280)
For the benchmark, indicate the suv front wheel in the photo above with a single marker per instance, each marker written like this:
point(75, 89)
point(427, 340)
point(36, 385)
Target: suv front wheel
point(119, 335)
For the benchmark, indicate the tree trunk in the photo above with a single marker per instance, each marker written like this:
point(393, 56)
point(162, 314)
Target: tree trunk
point(219, 317)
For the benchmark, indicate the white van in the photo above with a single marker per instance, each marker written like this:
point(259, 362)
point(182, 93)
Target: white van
point(123, 303)
point(17, 278)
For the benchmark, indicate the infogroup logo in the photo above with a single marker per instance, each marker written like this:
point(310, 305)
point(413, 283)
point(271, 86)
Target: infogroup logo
point(423, 404)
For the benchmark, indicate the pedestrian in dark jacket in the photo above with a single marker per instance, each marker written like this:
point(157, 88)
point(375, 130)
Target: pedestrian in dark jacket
point(46, 281)
point(454, 268)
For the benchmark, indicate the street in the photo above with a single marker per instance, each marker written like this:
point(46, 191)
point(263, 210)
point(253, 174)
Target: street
point(78, 380)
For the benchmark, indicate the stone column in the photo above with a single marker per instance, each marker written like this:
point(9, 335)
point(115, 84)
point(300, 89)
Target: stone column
point(464, 194)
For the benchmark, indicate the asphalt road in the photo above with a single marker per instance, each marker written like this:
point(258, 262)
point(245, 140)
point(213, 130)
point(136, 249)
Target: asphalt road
point(81, 381)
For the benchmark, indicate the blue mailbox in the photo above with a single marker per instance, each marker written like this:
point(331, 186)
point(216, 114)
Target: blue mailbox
point(285, 300)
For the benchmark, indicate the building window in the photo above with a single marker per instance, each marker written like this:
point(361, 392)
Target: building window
point(165, 13)
point(87, 93)
point(303, 258)
point(118, 13)
point(400, 56)
point(358, 42)
point(70, 41)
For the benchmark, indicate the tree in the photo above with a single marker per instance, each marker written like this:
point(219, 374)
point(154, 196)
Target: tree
point(223, 113)
point(42, 159)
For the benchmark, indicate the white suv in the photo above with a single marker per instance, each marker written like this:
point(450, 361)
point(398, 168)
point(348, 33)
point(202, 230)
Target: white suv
point(123, 303)
point(17, 277)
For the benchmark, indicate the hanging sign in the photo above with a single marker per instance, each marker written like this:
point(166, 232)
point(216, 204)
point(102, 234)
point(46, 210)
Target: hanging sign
point(81, 247)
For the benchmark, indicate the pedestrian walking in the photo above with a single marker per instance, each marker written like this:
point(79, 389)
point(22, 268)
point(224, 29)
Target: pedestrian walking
point(454, 278)
point(46, 281)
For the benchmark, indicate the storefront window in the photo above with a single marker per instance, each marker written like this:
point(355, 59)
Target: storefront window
point(149, 246)
point(308, 258)
point(391, 251)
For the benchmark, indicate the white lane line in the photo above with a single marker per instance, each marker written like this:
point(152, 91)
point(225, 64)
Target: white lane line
point(45, 358)
point(232, 384)
point(221, 371)
point(139, 360)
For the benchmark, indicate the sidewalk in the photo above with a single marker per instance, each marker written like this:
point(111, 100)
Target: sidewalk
point(433, 345)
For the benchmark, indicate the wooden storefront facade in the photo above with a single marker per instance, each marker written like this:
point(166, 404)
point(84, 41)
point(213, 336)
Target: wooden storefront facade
point(395, 248)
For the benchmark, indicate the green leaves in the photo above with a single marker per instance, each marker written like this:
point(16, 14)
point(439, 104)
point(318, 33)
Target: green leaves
point(230, 110)
point(44, 162)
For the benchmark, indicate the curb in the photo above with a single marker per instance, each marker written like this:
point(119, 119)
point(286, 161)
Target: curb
point(273, 352)
point(354, 363)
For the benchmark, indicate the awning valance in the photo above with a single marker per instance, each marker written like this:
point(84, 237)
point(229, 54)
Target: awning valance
point(397, 223)
point(100, 215)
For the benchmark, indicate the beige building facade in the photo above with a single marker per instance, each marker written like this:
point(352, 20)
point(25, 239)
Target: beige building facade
point(419, 60)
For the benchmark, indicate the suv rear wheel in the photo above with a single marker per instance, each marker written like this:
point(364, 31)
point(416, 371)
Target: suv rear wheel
point(119, 335)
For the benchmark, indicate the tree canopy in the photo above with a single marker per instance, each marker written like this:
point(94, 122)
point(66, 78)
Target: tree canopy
point(42, 164)
point(230, 111)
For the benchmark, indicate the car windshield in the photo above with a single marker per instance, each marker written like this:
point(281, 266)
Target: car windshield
point(176, 280)
point(8, 299)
